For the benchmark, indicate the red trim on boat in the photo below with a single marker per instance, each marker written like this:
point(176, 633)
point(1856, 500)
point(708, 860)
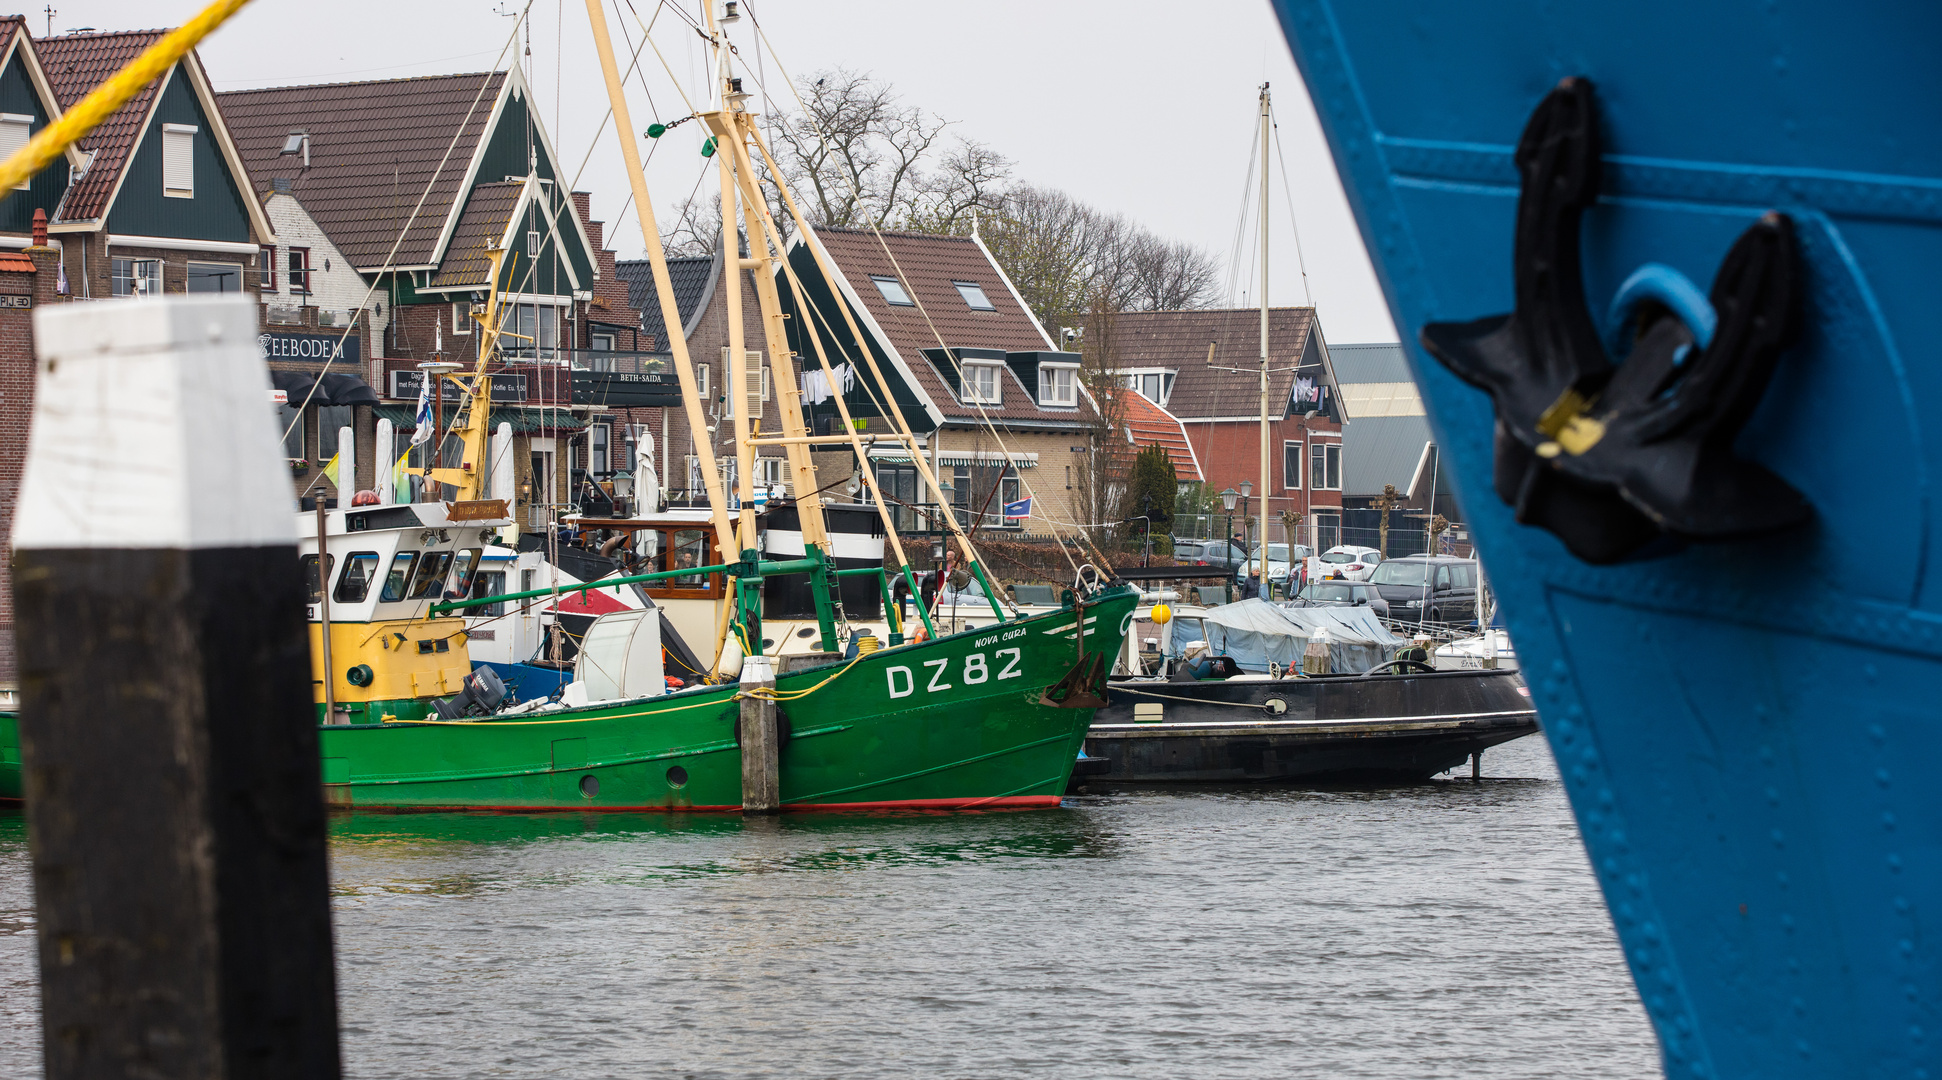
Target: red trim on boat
point(996, 802)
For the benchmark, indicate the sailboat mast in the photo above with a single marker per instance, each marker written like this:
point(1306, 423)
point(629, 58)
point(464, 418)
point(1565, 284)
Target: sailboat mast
point(1265, 488)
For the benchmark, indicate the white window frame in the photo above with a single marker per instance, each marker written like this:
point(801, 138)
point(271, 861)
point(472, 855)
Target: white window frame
point(972, 393)
point(703, 385)
point(967, 288)
point(1047, 380)
point(461, 317)
point(532, 243)
point(179, 160)
point(892, 283)
point(1292, 481)
point(134, 263)
point(1319, 456)
point(15, 130)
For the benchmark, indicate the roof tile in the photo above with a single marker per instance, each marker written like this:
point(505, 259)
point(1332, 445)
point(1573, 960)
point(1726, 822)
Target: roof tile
point(374, 146)
point(689, 277)
point(1179, 340)
point(931, 263)
point(76, 64)
point(1148, 424)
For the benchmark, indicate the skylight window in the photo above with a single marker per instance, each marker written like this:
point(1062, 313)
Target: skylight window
point(974, 295)
point(893, 292)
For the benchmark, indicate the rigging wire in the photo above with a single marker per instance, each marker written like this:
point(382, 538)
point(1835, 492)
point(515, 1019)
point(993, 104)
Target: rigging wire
point(390, 258)
point(1293, 224)
point(903, 278)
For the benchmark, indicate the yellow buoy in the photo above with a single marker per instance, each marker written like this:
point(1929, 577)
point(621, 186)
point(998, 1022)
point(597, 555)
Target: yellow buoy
point(1161, 613)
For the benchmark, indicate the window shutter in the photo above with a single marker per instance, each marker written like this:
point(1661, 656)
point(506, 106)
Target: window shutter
point(179, 160)
point(756, 389)
point(14, 132)
point(701, 382)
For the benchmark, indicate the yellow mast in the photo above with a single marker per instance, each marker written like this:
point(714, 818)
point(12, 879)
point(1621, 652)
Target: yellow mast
point(471, 425)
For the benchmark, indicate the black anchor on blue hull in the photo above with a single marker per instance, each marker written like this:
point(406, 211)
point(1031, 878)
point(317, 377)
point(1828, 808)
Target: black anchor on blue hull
point(1630, 459)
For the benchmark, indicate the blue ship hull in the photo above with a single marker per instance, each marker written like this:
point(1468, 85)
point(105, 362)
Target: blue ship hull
point(1745, 728)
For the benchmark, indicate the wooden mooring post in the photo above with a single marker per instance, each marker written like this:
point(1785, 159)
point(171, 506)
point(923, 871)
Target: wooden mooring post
point(761, 742)
point(168, 736)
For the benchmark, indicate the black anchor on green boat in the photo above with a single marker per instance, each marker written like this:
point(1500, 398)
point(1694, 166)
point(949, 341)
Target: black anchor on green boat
point(1635, 458)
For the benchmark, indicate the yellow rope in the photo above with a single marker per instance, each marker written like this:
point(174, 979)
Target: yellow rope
point(767, 694)
point(55, 138)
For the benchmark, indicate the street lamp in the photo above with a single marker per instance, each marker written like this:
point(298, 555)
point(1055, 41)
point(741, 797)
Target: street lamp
point(1227, 499)
point(1247, 531)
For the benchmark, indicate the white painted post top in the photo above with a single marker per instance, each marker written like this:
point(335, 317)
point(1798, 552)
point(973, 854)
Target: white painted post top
point(152, 428)
point(758, 670)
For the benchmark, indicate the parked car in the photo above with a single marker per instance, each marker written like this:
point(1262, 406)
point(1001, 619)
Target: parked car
point(1342, 594)
point(1280, 558)
point(1220, 553)
point(1346, 561)
point(1429, 588)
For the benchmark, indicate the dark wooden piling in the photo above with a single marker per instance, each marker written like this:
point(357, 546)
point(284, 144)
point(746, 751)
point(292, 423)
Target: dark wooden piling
point(761, 745)
point(168, 736)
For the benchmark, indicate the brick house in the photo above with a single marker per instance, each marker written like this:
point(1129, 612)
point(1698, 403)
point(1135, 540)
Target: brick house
point(1183, 361)
point(348, 163)
point(971, 370)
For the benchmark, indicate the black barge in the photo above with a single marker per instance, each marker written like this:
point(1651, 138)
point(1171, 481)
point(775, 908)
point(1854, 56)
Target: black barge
point(1380, 728)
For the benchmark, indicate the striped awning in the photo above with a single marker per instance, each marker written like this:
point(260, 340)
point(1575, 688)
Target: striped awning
point(1027, 460)
point(524, 420)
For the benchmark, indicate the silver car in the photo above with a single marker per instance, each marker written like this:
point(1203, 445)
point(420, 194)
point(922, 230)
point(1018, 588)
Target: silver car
point(1336, 593)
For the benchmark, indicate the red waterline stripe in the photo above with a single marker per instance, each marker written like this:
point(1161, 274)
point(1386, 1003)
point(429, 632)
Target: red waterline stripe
point(996, 802)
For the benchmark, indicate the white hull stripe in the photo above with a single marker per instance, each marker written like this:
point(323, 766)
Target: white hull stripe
point(1442, 719)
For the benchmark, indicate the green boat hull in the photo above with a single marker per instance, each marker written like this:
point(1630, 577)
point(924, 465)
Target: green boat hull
point(952, 723)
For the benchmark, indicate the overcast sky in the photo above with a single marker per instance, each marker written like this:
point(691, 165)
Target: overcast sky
point(1134, 106)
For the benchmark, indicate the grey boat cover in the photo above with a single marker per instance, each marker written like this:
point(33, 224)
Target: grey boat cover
point(1255, 631)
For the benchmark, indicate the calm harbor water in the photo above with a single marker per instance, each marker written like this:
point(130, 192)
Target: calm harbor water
point(1447, 930)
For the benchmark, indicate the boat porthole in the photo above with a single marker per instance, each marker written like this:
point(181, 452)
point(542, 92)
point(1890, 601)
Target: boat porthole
point(805, 631)
point(589, 786)
point(1275, 705)
point(768, 643)
point(677, 777)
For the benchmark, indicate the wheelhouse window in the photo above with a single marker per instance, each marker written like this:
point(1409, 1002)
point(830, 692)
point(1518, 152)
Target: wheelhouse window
point(1291, 465)
point(300, 270)
point(429, 582)
point(399, 576)
point(1058, 384)
point(312, 586)
point(690, 550)
point(360, 569)
point(974, 297)
point(463, 568)
point(1325, 466)
point(15, 129)
point(981, 384)
point(136, 277)
point(215, 277)
point(487, 583)
point(893, 291)
point(179, 161)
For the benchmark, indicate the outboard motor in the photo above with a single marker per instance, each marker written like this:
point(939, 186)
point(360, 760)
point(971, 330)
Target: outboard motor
point(482, 694)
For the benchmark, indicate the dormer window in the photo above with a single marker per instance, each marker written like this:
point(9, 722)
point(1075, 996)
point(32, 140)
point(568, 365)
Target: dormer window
point(981, 385)
point(179, 161)
point(893, 291)
point(1154, 386)
point(974, 296)
point(1058, 384)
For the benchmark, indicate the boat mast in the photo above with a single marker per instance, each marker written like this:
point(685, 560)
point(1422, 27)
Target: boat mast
point(470, 477)
point(1266, 119)
point(664, 286)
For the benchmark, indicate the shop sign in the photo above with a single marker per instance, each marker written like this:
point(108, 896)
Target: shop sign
point(313, 350)
point(506, 389)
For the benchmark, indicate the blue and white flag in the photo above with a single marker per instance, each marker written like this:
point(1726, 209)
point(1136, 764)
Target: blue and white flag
point(1019, 509)
point(427, 427)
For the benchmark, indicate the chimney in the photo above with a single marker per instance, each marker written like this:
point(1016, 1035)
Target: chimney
point(40, 228)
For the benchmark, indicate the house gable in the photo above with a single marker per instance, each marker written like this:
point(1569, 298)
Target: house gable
point(841, 346)
point(219, 210)
point(23, 93)
point(515, 146)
